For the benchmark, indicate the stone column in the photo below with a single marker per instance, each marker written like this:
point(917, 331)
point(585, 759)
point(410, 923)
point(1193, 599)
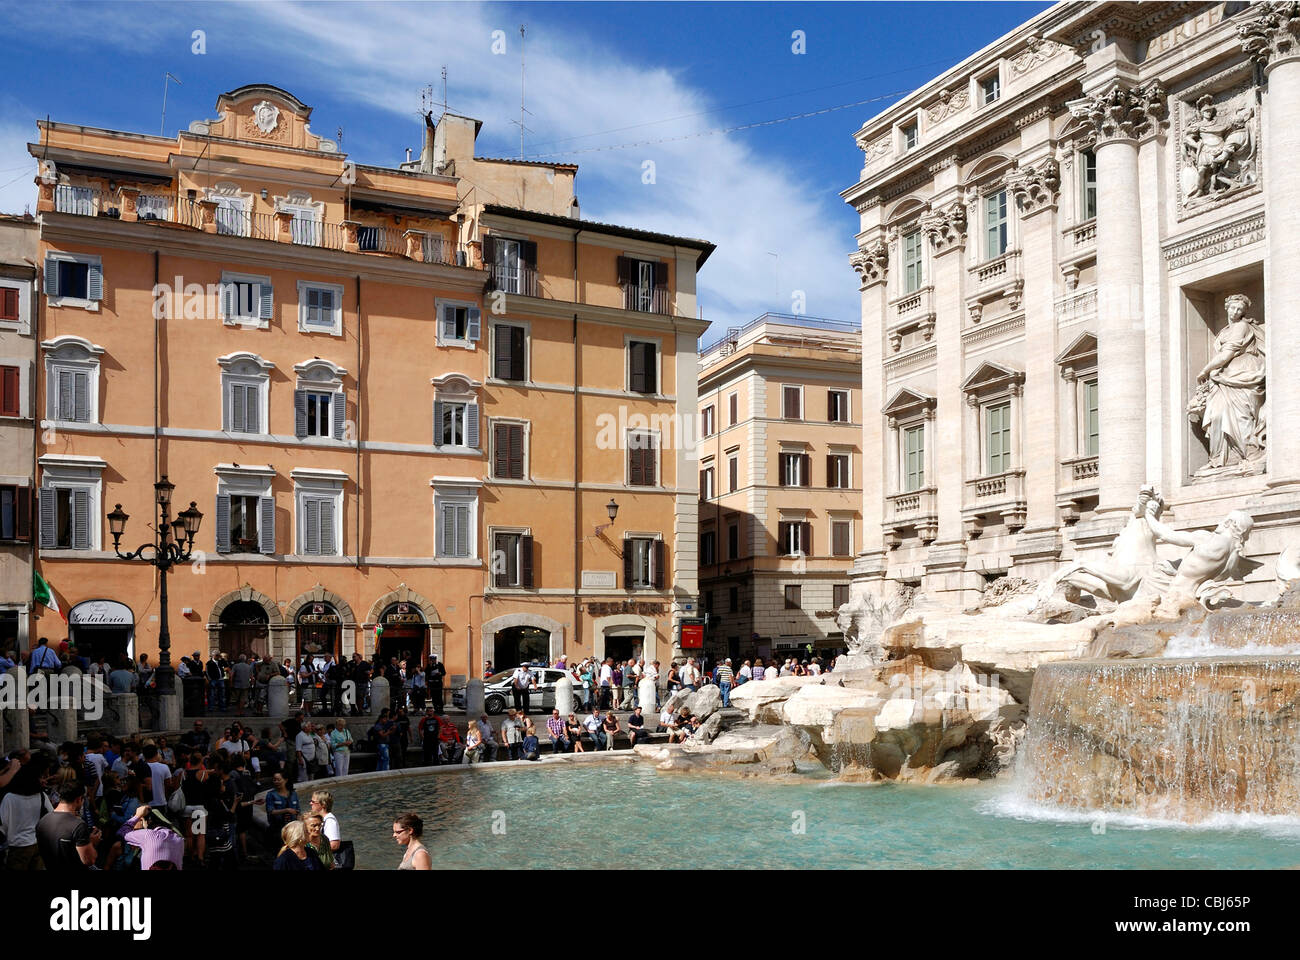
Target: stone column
point(1122, 114)
point(1273, 41)
point(872, 265)
point(16, 723)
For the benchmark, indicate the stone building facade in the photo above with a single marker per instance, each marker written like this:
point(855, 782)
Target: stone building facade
point(780, 468)
point(1076, 260)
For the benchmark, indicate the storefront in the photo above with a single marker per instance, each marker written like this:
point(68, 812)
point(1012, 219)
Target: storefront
point(403, 634)
point(244, 629)
point(317, 629)
point(102, 628)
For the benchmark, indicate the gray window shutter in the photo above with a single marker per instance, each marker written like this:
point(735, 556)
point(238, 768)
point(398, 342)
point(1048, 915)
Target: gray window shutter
point(252, 409)
point(95, 282)
point(462, 531)
point(501, 575)
point(223, 523)
point(300, 413)
point(264, 289)
point(339, 408)
point(471, 425)
point(311, 526)
point(64, 405)
point(228, 299)
point(266, 524)
point(447, 321)
point(49, 517)
point(81, 397)
point(474, 324)
point(327, 547)
point(446, 530)
point(502, 363)
point(51, 277)
point(81, 519)
point(235, 423)
point(437, 422)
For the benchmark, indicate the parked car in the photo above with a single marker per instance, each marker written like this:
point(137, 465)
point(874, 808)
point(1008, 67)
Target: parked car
point(497, 690)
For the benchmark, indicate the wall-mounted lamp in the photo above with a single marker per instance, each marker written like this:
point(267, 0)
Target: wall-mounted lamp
point(264, 193)
point(611, 509)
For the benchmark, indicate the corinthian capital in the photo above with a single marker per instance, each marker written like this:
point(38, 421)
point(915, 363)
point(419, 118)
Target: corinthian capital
point(1035, 188)
point(1274, 34)
point(946, 228)
point(871, 262)
point(1122, 113)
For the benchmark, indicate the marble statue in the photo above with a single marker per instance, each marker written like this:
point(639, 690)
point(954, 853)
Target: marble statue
point(1229, 397)
point(1212, 557)
point(1216, 151)
point(1131, 559)
point(863, 620)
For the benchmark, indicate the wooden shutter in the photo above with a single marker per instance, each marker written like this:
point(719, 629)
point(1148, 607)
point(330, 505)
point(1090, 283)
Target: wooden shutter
point(339, 406)
point(235, 422)
point(447, 321)
point(661, 274)
point(10, 396)
point(490, 258)
point(299, 413)
point(23, 514)
point(783, 537)
point(733, 405)
point(265, 304)
point(500, 450)
point(651, 371)
point(311, 526)
point(832, 478)
point(782, 461)
point(462, 530)
point(516, 462)
point(790, 403)
point(49, 515)
point(438, 426)
point(471, 425)
point(81, 519)
point(635, 472)
point(501, 571)
point(805, 470)
point(81, 396)
point(223, 523)
point(526, 562)
point(659, 563)
point(518, 352)
point(627, 564)
point(625, 275)
point(266, 524)
point(51, 277)
point(253, 408)
point(501, 364)
point(528, 253)
point(636, 360)
point(805, 539)
point(9, 304)
point(733, 474)
point(94, 282)
point(328, 547)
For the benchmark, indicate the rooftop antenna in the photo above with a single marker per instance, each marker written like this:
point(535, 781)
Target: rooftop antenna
point(162, 127)
point(444, 89)
point(522, 110)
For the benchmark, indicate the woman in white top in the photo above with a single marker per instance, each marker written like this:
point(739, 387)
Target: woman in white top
point(20, 810)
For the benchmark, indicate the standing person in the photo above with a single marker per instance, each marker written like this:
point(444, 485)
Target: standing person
point(512, 734)
point(66, 843)
point(241, 680)
point(42, 657)
point(381, 733)
point(434, 676)
point(522, 682)
point(304, 746)
point(324, 756)
point(652, 671)
point(161, 847)
point(418, 688)
point(20, 811)
point(160, 777)
point(674, 678)
point(688, 676)
point(725, 677)
point(407, 830)
point(744, 674)
point(314, 824)
point(606, 683)
point(296, 854)
point(322, 805)
point(429, 737)
point(629, 684)
point(341, 745)
point(281, 806)
point(771, 672)
point(216, 685)
point(555, 727)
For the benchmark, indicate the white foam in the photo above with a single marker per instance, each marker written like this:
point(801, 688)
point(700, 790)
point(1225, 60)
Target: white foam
point(1011, 806)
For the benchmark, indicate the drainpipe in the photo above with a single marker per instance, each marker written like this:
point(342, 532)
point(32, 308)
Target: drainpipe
point(357, 483)
point(578, 542)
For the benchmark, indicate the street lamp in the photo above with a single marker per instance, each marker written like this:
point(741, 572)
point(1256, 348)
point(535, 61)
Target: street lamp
point(611, 509)
point(174, 544)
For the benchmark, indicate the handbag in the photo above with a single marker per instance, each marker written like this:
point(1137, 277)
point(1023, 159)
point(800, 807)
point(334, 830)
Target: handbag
point(176, 802)
point(345, 857)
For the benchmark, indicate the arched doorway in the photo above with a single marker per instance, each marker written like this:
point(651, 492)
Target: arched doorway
point(402, 633)
point(102, 628)
point(244, 629)
point(523, 644)
point(316, 630)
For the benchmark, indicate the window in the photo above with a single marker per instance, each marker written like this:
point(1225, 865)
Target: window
point(456, 510)
point(508, 266)
point(910, 136)
point(841, 538)
point(708, 548)
point(706, 421)
point(246, 299)
point(643, 366)
point(11, 398)
point(317, 519)
point(706, 484)
point(839, 595)
point(508, 451)
point(795, 469)
point(995, 225)
point(245, 514)
point(733, 544)
point(837, 406)
point(1088, 184)
point(645, 285)
point(16, 513)
point(1091, 426)
point(319, 414)
point(70, 395)
point(913, 458)
point(793, 596)
point(837, 471)
point(11, 299)
point(643, 563)
point(72, 379)
point(320, 308)
point(76, 279)
point(733, 409)
point(243, 407)
point(512, 560)
point(913, 275)
point(794, 537)
point(456, 423)
point(998, 433)
point(708, 601)
point(642, 459)
point(458, 324)
point(231, 219)
point(733, 599)
point(990, 89)
point(792, 402)
point(509, 352)
point(304, 228)
point(65, 511)
point(733, 473)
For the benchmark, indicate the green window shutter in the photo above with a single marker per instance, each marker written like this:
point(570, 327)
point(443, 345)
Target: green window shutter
point(1092, 426)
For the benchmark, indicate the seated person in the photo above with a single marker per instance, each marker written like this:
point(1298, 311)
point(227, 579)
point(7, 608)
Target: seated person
point(636, 727)
point(449, 740)
point(667, 721)
point(573, 733)
point(532, 747)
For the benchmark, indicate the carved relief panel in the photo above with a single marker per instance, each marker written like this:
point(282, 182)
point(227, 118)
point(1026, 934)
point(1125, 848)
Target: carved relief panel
point(1216, 141)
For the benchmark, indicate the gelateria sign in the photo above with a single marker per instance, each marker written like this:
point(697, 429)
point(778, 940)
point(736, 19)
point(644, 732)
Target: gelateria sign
point(626, 606)
point(101, 613)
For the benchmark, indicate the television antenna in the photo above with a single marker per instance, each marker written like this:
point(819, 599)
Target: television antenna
point(162, 127)
point(522, 110)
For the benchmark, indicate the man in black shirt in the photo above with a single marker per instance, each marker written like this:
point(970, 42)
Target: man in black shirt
point(198, 738)
point(636, 726)
point(67, 844)
point(291, 727)
point(433, 677)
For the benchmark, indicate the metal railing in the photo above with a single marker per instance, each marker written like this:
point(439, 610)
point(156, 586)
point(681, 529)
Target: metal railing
point(80, 201)
point(520, 279)
point(646, 299)
point(371, 239)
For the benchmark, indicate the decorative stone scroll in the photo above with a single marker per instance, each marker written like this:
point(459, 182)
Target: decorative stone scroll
point(946, 228)
point(1122, 113)
point(1037, 52)
point(948, 104)
point(871, 263)
point(1035, 188)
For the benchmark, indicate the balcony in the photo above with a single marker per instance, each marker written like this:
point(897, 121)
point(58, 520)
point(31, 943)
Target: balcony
point(1079, 240)
point(517, 278)
point(912, 312)
point(647, 299)
point(1000, 277)
point(1001, 494)
point(914, 509)
point(1075, 306)
point(1079, 475)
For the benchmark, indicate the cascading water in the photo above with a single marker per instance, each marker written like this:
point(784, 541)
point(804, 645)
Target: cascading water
point(1177, 739)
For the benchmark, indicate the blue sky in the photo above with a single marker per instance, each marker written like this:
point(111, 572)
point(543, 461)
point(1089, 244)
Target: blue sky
point(600, 75)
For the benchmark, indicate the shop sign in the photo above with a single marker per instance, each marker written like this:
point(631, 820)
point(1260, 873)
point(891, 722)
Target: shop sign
point(101, 613)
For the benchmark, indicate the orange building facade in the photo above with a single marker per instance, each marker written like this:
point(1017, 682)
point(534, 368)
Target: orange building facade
point(402, 397)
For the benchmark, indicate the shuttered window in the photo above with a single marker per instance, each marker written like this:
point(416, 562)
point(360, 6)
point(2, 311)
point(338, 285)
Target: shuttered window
point(69, 396)
point(10, 392)
point(733, 474)
point(793, 597)
point(65, 518)
point(9, 300)
point(837, 471)
point(841, 538)
point(508, 451)
point(708, 548)
point(913, 458)
point(837, 406)
point(1088, 184)
point(733, 541)
point(794, 537)
point(643, 366)
point(320, 307)
point(318, 533)
point(706, 421)
point(243, 407)
point(510, 349)
point(839, 595)
point(796, 470)
point(706, 484)
point(733, 409)
point(454, 533)
point(246, 299)
point(642, 460)
point(643, 563)
point(998, 437)
point(16, 513)
point(1091, 423)
point(459, 324)
point(791, 403)
point(245, 523)
point(512, 560)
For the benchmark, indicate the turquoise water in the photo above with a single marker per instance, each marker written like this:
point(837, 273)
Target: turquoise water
point(629, 816)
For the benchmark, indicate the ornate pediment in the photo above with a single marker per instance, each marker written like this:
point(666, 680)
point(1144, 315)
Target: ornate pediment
point(907, 402)
point(1081, 354)
point(264, 113)
point(990, 376)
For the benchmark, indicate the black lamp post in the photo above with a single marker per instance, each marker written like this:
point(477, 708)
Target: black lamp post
point(174, 544)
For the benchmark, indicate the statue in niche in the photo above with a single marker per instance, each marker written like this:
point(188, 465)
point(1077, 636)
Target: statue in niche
point(1228, 404)
point(1218, 154)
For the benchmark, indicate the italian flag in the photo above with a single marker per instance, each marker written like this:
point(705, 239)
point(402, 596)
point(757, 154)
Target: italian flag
point(379, 631)
point(43, 594)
